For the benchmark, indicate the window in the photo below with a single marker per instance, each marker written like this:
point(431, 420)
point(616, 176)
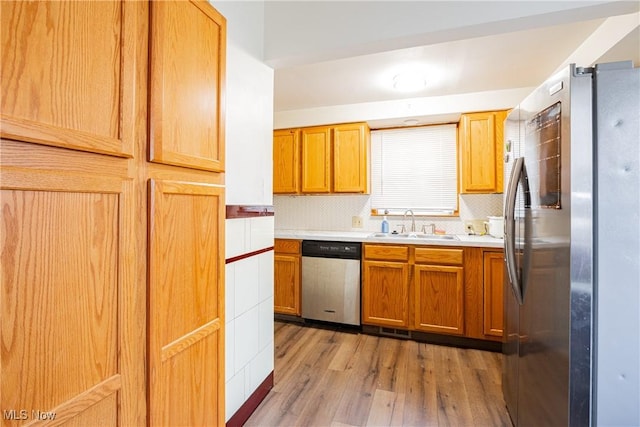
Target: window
point(414, 168)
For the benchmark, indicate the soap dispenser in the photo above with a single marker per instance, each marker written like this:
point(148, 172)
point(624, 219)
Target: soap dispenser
point(385, 224)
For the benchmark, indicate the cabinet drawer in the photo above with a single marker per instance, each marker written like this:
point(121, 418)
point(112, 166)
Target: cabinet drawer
point(386, 252)
point(287, 246)
point(439, 256)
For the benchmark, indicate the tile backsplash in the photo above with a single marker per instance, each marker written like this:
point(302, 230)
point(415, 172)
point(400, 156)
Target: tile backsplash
point(335, 213)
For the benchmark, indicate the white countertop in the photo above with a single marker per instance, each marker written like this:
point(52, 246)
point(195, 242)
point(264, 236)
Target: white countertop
point(365, 236)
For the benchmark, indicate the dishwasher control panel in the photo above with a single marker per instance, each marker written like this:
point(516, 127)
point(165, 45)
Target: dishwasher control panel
point(330, 249)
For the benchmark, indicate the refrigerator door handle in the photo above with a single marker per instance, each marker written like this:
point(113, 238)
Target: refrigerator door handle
point(509, 229)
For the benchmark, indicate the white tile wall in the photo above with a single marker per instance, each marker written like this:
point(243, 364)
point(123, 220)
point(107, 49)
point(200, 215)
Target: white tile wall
point(249, 309)
point(244, 235)
point(260, 232)
point(335, 213)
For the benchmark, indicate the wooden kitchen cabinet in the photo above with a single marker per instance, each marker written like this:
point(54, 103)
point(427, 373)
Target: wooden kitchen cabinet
point(493, 294)
point(385, 286)
point(65, 86)
point(438, 283)
point(72, 300)
point(321, 159)
point(186, 297)
point(109, 258)
point(187, 213)
point(481, 152)
point(350, 156)
point(444, 290)
point(287, 277)
point(316, 159)
point(186, 126)
point(286, 161)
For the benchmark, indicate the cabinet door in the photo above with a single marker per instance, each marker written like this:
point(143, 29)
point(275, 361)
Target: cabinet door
point(493, 305)
point(187, 65)
point(385, 294)
point(286, 161)
point(316, 160)
point(287, 284)
point(350, 144)
point(72, 291)
point(481, 137)
point(186, 304)
point(439, 299)
point(72, 329)
point(68, 74)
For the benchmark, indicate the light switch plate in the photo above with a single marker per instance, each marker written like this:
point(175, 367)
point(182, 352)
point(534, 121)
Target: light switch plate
point(356, 222)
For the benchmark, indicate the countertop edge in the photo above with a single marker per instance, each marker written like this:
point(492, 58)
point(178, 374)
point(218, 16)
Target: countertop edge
point(363, 237)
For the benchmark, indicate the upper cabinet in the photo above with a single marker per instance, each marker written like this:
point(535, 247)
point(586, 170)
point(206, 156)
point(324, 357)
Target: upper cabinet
point(481, 136)
point(350, 153)
point(68, 77)
point(187, 66)
point(316, 159)
point(286, 161)
point(321, 159)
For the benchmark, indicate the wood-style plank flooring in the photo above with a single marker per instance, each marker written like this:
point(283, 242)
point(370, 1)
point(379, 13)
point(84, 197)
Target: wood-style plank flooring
point(327, 377)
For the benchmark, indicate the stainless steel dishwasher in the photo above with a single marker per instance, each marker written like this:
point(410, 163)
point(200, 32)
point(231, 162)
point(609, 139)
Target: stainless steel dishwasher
point(331, 281)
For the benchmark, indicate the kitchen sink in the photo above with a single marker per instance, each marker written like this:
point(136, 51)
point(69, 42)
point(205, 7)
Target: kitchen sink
point(414, 236)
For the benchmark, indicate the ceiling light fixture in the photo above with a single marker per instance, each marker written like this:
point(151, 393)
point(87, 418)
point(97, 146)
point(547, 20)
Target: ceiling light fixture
point(409, 81)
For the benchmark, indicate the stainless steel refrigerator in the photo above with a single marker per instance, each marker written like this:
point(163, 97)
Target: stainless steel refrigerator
point(572, 250)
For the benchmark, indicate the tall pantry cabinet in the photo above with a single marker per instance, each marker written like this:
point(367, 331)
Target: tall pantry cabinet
point(112, 201)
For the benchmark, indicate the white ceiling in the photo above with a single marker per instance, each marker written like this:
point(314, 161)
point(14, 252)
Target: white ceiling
point(337, 53)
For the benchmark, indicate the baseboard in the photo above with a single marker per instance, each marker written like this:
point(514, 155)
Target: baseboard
point(242, 415)
point(450, 340)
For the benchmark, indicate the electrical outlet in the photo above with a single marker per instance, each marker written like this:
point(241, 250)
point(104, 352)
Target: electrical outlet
point(468, 227)
point(356, 222)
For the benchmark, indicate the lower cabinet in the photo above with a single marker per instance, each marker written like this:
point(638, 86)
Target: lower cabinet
point(439, 299)
point(493, 294)
point(438, 290)
point(445, 290)
point(287, 276)
point(385, 294)
point(385, 286)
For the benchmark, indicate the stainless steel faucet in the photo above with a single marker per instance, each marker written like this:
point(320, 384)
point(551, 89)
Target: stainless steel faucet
point(432, 226)
point(413, 220)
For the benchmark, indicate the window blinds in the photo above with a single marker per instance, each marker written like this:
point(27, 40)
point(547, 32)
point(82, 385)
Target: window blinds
point(414, 168)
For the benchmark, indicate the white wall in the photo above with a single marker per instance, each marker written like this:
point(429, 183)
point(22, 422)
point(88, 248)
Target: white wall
point(248, 176)
point(249, 105)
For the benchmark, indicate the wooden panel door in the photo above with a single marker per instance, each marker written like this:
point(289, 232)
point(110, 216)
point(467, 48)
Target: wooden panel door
point(286, 294)
point(286, 161)
point(478, 152)
point(186, 94)
point(72, 306)
point(500, 117)
point(186, 304)
point(493, 300)
point(439, 299)
point(385, 294)
point(69, 73)
point(316, 160)
point(350, 143)
point(72, 330)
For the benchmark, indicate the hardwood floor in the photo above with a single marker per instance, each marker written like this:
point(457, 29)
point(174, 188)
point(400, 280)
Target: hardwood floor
point(326, 377)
